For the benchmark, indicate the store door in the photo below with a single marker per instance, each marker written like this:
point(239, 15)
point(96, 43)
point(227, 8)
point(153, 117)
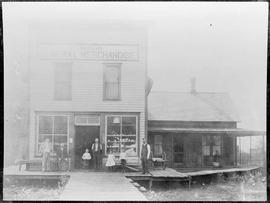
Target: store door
point(84, 138)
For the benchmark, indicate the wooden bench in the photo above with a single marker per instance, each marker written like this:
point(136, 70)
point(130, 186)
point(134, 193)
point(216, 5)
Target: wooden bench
point(27, 163)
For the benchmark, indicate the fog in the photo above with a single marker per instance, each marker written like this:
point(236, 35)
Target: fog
point(223, 45)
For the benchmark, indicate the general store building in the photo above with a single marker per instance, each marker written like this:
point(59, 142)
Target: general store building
point(87, 81)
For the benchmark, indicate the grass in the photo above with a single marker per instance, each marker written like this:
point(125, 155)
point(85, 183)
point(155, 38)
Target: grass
point(33, 189)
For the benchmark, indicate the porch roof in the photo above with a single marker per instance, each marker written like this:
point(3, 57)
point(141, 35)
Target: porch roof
point(239, 132)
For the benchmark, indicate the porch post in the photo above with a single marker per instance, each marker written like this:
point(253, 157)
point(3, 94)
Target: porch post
point(234, 151)
point(202, 157)
point(240, 157)
point(172, 151)
point(250, 138)
point(264, 154)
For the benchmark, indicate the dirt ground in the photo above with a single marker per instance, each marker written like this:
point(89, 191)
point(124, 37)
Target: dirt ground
point(232, 189)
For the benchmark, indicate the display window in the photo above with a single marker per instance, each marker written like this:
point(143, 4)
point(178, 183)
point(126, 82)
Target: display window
point(121, 134)
point(55, 128)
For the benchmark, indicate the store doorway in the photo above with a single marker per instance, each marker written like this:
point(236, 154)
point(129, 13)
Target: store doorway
point(84, 138)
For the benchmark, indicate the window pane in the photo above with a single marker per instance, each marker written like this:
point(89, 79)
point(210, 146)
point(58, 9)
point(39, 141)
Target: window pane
point(62, 81)
point(56, 149)
point(129, 130)
point(206, 140)
point(129, 121)
point(113, 144)
point(158, 139)
point(42, 138)
point(81, 120)
point(158, 144)
point(216, 149)
point(60, 139)
point(112, 81)
point(111, 74)
point(178, 144)
point(206, 150)
point(113, 120)
point(113, 130)
point(112, 91)
point(60, 125)
point(216, 140)
point(45, 125)
point(92, 119)
point(158, 148)
point(63, 71)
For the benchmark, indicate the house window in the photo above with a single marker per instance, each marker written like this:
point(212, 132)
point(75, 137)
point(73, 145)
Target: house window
point(121, 133)
point(210, 146)
point(178, 148)
point(112, 86)
point(158, 145)
point(62, 81)
point(54, 128)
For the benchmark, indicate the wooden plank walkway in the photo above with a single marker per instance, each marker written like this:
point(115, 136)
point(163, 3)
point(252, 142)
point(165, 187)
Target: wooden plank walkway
point(215, 171)
point(100, 186)
point(167, 173)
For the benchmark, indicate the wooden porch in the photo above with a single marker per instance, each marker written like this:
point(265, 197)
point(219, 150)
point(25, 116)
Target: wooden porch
point(173, 175)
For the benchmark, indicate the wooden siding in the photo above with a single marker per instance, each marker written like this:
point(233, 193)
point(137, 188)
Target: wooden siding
point(87, 77)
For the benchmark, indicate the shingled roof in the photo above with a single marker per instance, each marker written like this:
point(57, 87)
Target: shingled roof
point(186, 106)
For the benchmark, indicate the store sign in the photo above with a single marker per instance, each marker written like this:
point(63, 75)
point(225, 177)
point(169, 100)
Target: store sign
point(89, 52)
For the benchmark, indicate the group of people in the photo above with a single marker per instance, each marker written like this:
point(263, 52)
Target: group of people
point(62, 156)
point(97, 151)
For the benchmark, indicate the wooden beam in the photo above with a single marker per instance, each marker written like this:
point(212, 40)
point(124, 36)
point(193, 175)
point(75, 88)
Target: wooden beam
point(131, 168)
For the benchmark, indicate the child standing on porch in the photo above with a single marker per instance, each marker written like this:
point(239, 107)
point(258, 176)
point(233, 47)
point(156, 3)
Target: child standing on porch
point(123, 160)
point(110, 161)
point(86, 157)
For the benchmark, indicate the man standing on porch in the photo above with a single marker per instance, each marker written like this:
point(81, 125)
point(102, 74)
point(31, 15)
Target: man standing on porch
point(45, 150)
point(96, 149)
point(145, 155)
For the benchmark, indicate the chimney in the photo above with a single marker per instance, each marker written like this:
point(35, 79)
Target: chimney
point(193, 85)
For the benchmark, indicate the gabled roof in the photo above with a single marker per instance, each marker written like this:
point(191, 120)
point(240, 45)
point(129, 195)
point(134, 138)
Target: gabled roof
point(185, 106)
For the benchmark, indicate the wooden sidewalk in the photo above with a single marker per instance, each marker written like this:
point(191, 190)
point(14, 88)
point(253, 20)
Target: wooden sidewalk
point(170, 174)
point(100, 186)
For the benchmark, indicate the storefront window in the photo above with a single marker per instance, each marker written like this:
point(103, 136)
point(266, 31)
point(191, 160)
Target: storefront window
point(54, 128)
point(121, 134)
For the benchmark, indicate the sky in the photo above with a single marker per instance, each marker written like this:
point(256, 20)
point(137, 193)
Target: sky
point(222, 44)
